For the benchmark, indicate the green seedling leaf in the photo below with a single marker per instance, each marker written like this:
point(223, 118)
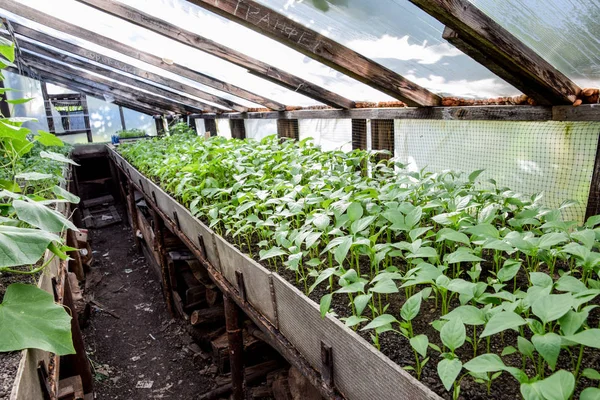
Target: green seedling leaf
point(587, 237)
point(353, 321)
point(475, 174)
point(385, 286)
point(411, 307)
point(23, 246)
point(48, 139)
point(325, 304)
point(588, 337)
point(324, 275)
point(548, 346)
point(485, 363)
point(470, 315)
point(502, 321)
point(462, 255)
point(591, 373)
point(272, 252)
point(448, 371)
point(64, 194)
point(558, 386)
point(552, 239)
point(361, 302)
point(453, 334)
point(508, 270)
point(568, 283)
point(486, 231)
point(420, 343)
point(531, 391)
point(354, 211)
point(590, 394)
point(382, 320)
point(361, 224)
point(551, 307)
point(508, 350)
point(525, 347)
point(572, 321)
point(29, 318)
point(540, 279)
point(57, 157)
point(341, 252)
point(452, 236)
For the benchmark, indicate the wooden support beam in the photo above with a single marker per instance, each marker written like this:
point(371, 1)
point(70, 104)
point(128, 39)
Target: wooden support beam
point(593, 205)
point(4, 107)
point(382, 136)
point(359, 134)
point(102, 84)
point(122, 117)
point(174, 86)
point(235, 339)
point(210, 125)
point(31, 49)
point(288, 128)
point(496, 48)
point(238, 129)
point(476, 113)
point(254, 66)
point(47, 107)
point(92, 37)
point(585, 112)
point(270, 23)
point(88, 90)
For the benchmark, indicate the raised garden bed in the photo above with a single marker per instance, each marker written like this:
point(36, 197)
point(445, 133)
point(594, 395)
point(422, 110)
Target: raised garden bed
point(523, 251)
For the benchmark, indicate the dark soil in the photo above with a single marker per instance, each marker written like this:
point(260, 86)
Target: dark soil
point(144, 353)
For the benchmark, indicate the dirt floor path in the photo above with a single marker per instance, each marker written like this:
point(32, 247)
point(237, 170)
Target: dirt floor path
point(142, 354)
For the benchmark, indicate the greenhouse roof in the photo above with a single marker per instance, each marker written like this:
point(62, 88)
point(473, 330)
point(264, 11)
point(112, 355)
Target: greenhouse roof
point(216, 56)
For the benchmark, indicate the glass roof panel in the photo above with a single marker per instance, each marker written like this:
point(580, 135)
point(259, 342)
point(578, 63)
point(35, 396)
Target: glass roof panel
point(117, 29)
point(400, 36)
point(564, 32)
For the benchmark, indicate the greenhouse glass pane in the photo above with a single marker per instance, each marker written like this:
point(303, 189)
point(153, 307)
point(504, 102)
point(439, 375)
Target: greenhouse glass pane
point(26, 88)
point(564, 32)
point(400, 36)
point(105, 119)
point(137, 120)
point(144, 40)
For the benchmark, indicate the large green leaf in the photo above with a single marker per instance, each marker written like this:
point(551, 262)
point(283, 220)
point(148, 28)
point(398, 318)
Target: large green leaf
point(502, 321)
point(62, 193)
point(551, 307)
point(558, 386)
point(29, 318)
point(22, 246)
point(485, 363)
point(38, 215)
point(589, 337)
point(411, 307)
point(548, 346)
point(453, 334)
point(420, 344)
point(48, 139)
point(590, 393)
point(57, 157)
point(448, 371)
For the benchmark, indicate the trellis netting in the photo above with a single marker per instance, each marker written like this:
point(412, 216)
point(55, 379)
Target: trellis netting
point(551, 157)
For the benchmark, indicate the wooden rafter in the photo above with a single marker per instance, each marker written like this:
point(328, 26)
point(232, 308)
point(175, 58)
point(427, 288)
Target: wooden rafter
point(254, 66)
point(314, 45)
point(87, 90)
point(104, 85)
point(92, 37)
point(172, 84)
point(490, 44)
point(31, 48)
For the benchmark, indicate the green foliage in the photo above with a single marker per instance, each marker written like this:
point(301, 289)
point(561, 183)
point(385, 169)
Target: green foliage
point(391, 243)
point(131, 133)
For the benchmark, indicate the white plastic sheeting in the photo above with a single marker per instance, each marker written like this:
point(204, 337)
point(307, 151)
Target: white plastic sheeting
point(330, 134)
point(26, 88)
point(200, 127)
point(260, 128)
point(556, 158)
point(223, 128)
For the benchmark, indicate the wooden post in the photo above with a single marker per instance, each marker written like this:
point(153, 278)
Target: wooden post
point(47, 107)
point(133, 213)
point(238, 128)
point(359, 134)
point(75, 264)
point(4, 107)
point(159, 126)
point(288, 128)
point(86, 116)
point(159, 238)
point(236, 347)
point(122, 116)
point(382, 136)
point(79, 361)
point(210, 125)
point(593, 205)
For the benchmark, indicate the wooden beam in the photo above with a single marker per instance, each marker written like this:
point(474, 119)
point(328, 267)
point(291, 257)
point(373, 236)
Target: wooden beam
point(110, 87)
point(33, 49)
point(122, 117)
point(210, 126)
point(47, 107)
point(88, 89)
point(4, 107)
point(254, 66)
point(270, 23)
point(173, 85)
point(523, 67)
point(92, 37)
point(478, 113)
point(238, 128)
point(593, 205)
point(585, 112)
point(382, 136)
